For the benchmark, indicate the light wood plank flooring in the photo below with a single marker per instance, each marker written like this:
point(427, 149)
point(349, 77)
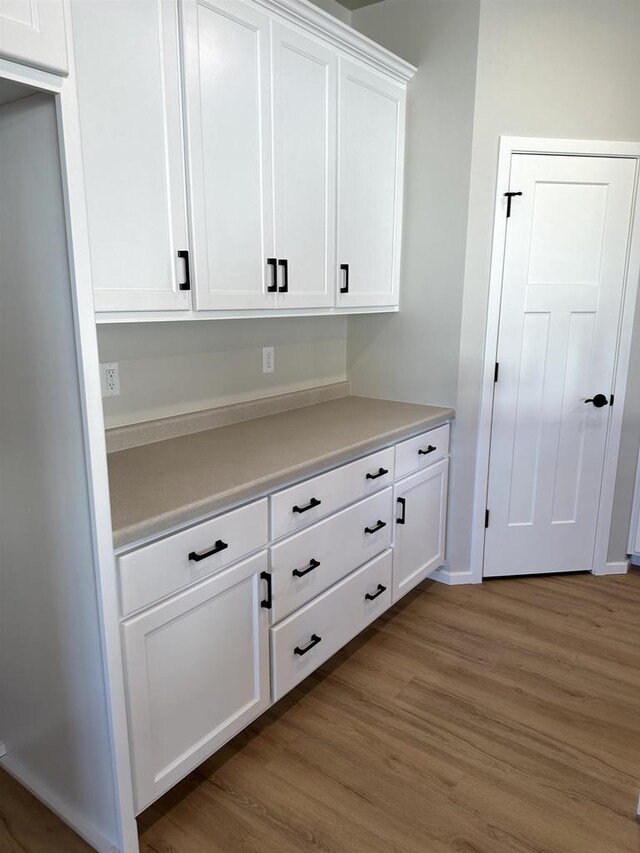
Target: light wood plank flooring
point(484, 719)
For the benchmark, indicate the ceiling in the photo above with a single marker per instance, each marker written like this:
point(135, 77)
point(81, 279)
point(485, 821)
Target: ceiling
point(357, 4)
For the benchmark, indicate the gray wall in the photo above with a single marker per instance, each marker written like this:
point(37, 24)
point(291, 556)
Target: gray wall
point(413, 356)
point(561, 69)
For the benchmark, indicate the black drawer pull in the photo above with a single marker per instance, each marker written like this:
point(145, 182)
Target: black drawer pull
point(219, 546)
point(284, 287)
point(429, 449)
point(379, 525)
point(371, 596)
point(272, 288)
point(300, 573)
point(312, 503)
point(403, 517)
point(381, 472)
point(315, 639)
point(268, 601)
point(344, 288)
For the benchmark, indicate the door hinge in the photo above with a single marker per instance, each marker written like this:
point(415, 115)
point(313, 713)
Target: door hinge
point(186, 284)
point(509, 196)
point(495, 372)
point(486, 518)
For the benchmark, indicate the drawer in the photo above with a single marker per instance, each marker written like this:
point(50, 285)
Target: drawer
point(422, 450)
point(306, 564)
point(310, 636)
point(152, 572)
point(309, 501)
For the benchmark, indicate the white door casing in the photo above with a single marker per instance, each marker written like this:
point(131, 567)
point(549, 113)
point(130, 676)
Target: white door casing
point(227, 60)
point(564, 271)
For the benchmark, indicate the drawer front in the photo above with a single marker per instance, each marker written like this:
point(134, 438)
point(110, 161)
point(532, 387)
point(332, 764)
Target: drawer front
point(310, 636)
point(422, 450)
point(152, 572)
point(307, 502)
point(306, 564)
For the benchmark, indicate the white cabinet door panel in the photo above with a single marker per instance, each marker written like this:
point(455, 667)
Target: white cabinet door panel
point(304, 109)
point(227, 64)
point(370, 174)
point(197, 669)
point(33, 32)
point(128, 77)
point(421, 507)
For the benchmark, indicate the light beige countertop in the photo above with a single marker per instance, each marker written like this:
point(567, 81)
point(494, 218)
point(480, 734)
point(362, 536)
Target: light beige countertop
point(160, 486)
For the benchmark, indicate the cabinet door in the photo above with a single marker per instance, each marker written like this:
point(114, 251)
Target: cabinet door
point(33, 32)
point(304, 110)
point(418, 550)
point(370, 174)
point(197, 671)
point(227, 66)
point(127, 62)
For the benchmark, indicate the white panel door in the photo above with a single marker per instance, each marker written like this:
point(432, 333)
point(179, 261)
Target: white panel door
point(421, 514)
point(228, 67)
point(305, 115)
point(128, 77)
point(370, 175)
point(33, 32)
point(197, 671)
point(563, 280)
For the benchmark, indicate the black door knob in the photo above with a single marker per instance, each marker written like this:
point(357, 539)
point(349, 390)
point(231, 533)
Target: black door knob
point(598, 401)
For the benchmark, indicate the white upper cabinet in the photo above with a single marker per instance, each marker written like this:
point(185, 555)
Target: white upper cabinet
point(33, 32)
point(128, 77)
point(227, 68)
point(305, 114)
point(370, 178)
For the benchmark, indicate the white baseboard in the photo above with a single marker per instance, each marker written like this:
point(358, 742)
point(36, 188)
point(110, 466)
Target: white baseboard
point(618, 568)
point(78, 822)
point(443, 575)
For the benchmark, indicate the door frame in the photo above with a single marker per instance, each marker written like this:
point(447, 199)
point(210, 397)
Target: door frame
point(510, 145)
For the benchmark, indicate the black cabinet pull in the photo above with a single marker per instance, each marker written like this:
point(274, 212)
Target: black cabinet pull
point(372, 596)
point(380, 524)
point(403, 517)
point(186, 284)
point(598, 401)
point(381, 472)
point(284, 287)
point(429, 449)
point(268, 601)
point(313, 502)
point(300, 573)
point(344, 288)
point(272, 288)
point(315, 639)
point(219, 546)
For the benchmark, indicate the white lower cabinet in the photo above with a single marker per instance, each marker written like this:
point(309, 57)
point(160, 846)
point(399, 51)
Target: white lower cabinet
point(418, 548)
point(212, 637)
point(197, 672)
point(312, 634)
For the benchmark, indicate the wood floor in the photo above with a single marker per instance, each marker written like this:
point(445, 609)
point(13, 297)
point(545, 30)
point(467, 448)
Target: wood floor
point(484, 719)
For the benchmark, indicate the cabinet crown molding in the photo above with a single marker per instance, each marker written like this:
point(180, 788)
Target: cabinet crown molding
point(320, 23)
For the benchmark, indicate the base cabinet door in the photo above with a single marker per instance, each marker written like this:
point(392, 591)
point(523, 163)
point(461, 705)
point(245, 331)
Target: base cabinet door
point(33, 32)
point(419, 543)
point(197, 672)
point(370, 174)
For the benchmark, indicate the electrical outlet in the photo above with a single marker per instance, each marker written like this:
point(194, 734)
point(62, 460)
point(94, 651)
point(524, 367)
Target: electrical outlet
point(110, 379)
point(268, 360)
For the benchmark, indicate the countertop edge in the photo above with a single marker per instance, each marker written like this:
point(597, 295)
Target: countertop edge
point(142, 533)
